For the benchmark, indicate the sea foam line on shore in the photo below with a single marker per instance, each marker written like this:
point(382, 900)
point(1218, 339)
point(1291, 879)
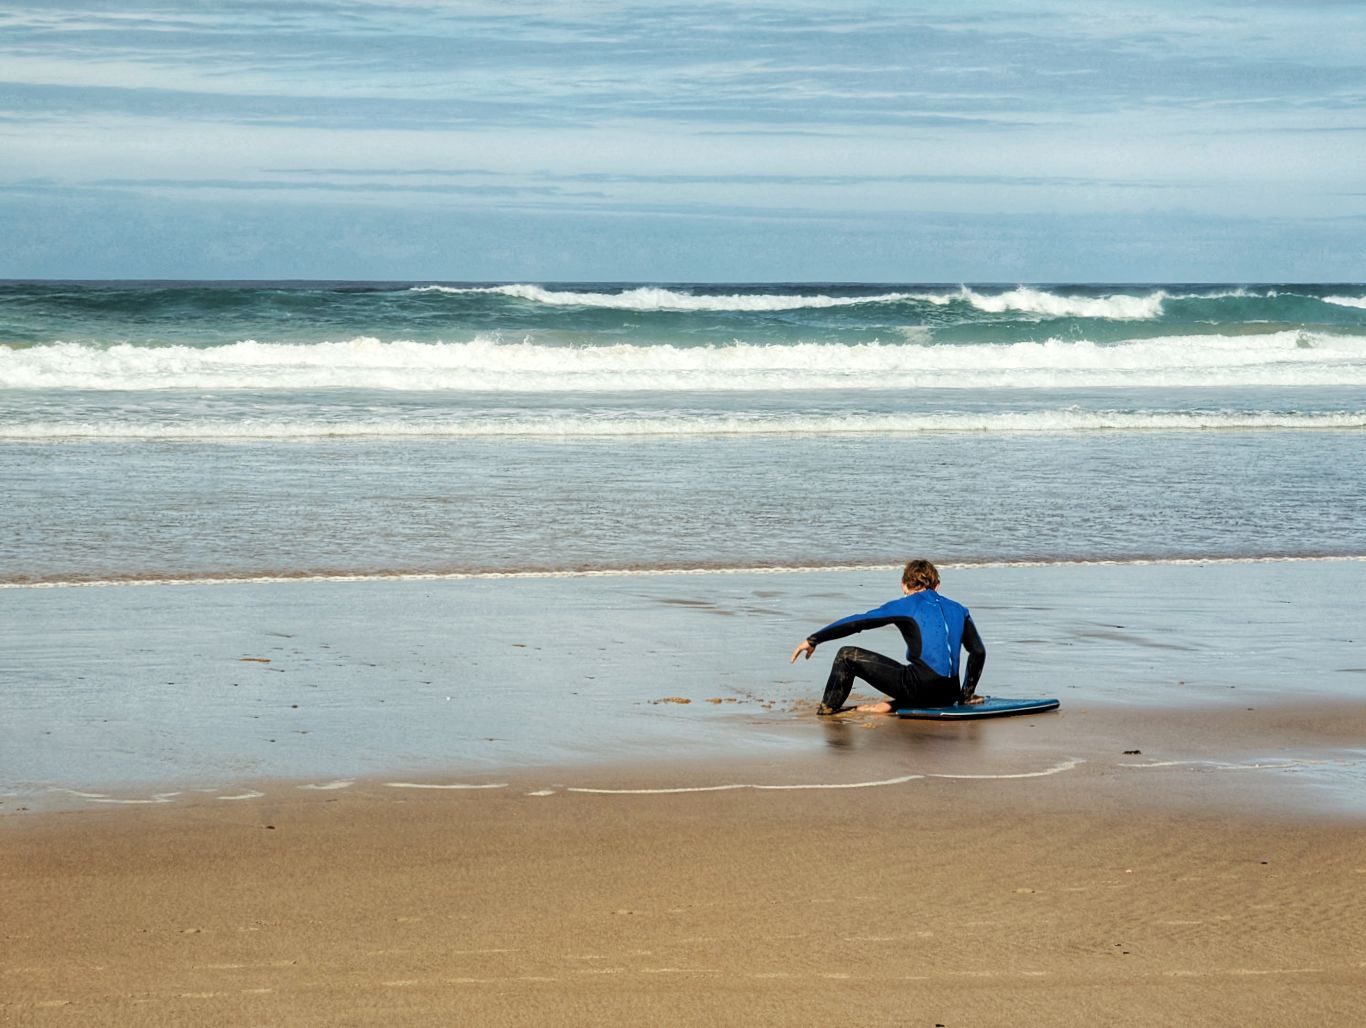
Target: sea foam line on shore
point(1059, 767)
point(1067, 764)
point(460, 576)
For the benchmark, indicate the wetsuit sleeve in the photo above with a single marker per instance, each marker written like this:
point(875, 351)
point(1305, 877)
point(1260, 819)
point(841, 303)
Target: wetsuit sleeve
point(977, 658)
point(858, 623)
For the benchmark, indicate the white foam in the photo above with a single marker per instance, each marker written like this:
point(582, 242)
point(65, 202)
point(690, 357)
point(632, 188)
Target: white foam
point(1025, 299)
point(626, 424)
point(653, 298)
point(730, 787)
point(447, 785)
point(1228, 294)
point(1117, 307)
point(100, 797)
point(1347, 301)
point(1066, 765)
point(1286, 358)
point(1061, 767)
point(1218, 765)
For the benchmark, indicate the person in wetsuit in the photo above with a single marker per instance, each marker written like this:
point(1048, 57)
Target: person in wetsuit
point(934, 627)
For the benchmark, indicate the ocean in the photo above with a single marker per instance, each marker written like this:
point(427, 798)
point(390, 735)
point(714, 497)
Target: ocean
point(238, 430)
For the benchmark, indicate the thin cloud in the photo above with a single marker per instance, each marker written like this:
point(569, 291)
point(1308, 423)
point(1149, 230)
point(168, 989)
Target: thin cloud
point(626, 109)
point(268, 186)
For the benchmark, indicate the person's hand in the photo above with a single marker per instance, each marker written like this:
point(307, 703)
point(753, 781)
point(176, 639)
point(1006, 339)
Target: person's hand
point(972, 701)
point(807, 647)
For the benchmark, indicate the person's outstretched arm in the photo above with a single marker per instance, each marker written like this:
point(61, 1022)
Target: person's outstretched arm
point(875, 618)
point(977, 659)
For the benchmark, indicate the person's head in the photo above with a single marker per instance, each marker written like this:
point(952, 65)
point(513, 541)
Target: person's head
point(919, 574)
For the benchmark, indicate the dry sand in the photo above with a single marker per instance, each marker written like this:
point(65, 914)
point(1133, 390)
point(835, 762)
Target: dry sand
point(1075, 896)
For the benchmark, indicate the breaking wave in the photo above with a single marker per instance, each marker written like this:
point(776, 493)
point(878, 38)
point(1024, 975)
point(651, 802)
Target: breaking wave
point(653, 298)
point(1118, 307)
point(1347, 301)
point(1291, 358)
point(1024, 299)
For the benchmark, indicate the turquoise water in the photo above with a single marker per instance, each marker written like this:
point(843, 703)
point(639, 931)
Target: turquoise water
point(168, 430)
point(215, 314)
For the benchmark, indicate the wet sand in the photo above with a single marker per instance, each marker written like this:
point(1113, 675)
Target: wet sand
point(1181, 843)
point(137, 691)
point(1066, 895)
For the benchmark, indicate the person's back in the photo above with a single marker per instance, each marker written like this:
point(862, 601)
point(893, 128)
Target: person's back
point(935, 629)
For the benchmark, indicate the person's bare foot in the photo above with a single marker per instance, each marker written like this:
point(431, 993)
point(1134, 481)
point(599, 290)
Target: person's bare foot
point(875, 708)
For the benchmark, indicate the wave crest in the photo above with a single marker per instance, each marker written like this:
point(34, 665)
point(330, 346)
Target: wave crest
point(654, 298)
point(1288, 358)
point(1116, 307)
point(1024, 299)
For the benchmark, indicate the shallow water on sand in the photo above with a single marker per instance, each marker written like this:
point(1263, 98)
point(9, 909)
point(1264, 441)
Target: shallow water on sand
point(170, 510)
point(131, 691)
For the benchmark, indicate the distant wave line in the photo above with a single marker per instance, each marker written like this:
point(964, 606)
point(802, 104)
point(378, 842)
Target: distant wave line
point(650, 572)
point(654, 298)
point(1060, 422)
point(1024, 299)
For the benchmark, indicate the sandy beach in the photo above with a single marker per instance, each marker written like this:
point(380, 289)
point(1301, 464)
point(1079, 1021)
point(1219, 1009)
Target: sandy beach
point(1060, 899)
point(1181, 842)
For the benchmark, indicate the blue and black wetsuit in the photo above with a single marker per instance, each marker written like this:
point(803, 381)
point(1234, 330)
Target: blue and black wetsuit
point(934, 627)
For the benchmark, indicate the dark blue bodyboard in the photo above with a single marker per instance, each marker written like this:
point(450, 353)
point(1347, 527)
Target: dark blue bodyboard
point(991, 706)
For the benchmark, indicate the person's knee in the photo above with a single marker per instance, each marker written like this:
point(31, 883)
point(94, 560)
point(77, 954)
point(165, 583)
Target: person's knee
point(847, 653)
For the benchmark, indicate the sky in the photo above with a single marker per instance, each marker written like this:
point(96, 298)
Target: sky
point(1087, 141)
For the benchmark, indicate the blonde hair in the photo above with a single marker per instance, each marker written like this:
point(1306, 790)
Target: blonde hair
point(920, 574)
